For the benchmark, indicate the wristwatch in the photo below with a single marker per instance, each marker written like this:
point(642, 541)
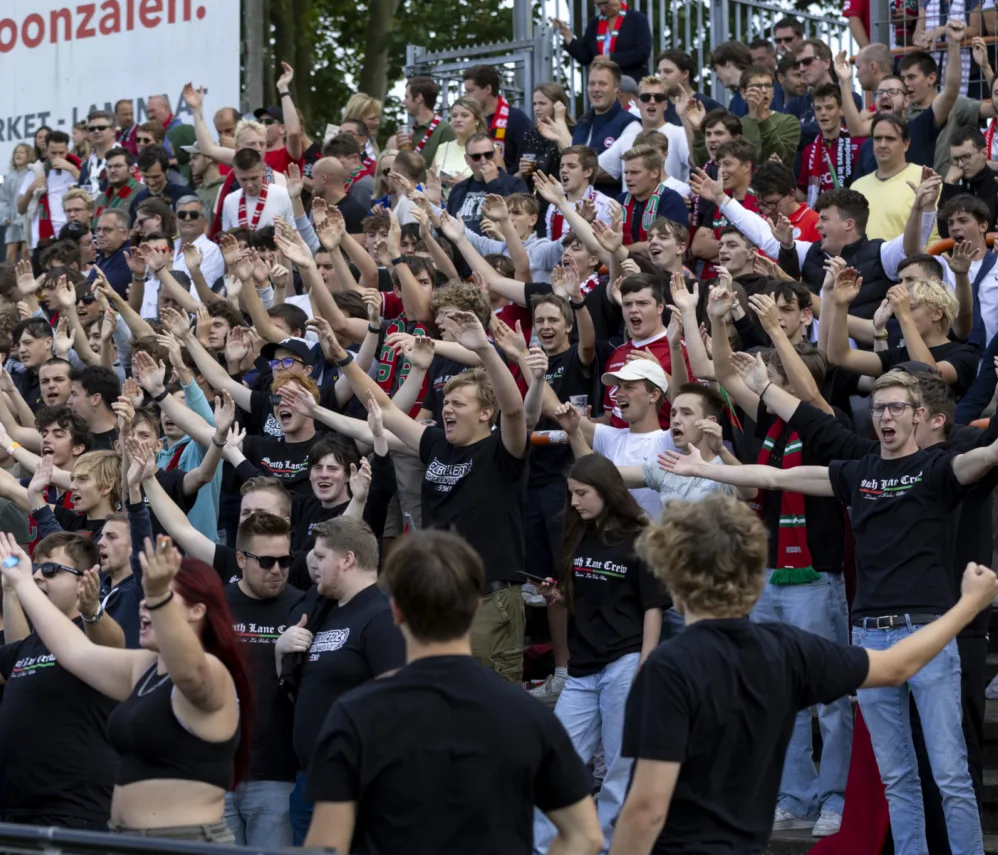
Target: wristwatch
point(577, 307)
point(97, 615)
point(161, 396)
point(283, 94)
point(345, 361)
point(399, 260)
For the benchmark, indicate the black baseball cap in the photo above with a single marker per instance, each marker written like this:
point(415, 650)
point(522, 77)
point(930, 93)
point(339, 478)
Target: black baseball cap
point(274, 112)
point(298, 346)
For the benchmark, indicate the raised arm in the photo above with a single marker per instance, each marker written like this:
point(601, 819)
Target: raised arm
point(973, 465)
point(859, 125)
point(207, 145)
point(809, 480)
point(686, 302)
point(292, 127)
point(942, 104)
point(754, 375)
point(718, 307)
point(847, 286)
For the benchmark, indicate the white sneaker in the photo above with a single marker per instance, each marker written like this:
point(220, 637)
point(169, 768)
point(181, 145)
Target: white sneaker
point(828, 824)
point(783, 820)
point(531, 596)
point(549, 690)
point(991, 692)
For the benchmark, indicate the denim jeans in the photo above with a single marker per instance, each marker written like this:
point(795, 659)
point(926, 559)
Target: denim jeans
point(817, 607)
point(299, 811)
point(592, 710)
point(936, 689)
point(257, 812)
point(673, 623)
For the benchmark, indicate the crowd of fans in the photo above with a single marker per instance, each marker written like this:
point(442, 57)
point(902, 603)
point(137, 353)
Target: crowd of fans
point(664, 371)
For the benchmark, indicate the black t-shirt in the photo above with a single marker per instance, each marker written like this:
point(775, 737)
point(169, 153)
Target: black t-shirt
point(225, 564)
point(306, 513)
point(961, 355)
point(172, 482)
point(823, 517)
point(287, 461)
point(72, 521)
point(903, 524)
point(104, 441)
point(445, 756)
point(259, 623)
point(566, 376)
point(354, 643)
point(611, 591)
point(55, 758)
point(440, 372)
point(477, 491)
point(353, 214)
point(720, 699)
point(923, 131)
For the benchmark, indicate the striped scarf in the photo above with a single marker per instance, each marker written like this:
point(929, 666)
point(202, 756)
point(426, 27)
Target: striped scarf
point(793, 558)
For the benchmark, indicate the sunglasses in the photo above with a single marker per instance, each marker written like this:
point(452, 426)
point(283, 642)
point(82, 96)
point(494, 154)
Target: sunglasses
point(785, 40)
point(87, 299)
point(188, 215)
point(488, 155)
point(95, 128)
point(657, 97)
point(805, 62)
point(268, 561)
point(387, 170)
point(48, 569)
point(267, 120)
point(144, 140)
point(286, 362)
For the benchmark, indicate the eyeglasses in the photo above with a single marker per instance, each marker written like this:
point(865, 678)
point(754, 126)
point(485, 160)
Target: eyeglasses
point(895, 408)
point(894, 93)
point(48, 569)
point(144, 140)
point(286, 362)
point(657, 97)
point(961, 159)
point(268, 561)
point(759, 86)
point(106, 230)
point(804, 62)
point(97, 128)
point(268, 120)
point(188, 215)
point(488, 155)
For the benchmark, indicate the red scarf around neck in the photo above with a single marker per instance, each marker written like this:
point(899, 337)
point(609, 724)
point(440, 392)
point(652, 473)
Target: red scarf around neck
point(605, 37)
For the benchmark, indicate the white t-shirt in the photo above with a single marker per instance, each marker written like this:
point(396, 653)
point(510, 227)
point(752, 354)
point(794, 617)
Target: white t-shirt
point(625, 448)
point(278, 204)
point(212, 262)
point(58, 182)
point(677, 161)
point(671, 486)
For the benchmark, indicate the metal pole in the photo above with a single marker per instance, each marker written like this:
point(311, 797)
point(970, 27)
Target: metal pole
point(523, 20)
point(253, 22)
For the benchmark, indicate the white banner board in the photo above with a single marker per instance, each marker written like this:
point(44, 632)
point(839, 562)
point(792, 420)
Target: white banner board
point(60, 59)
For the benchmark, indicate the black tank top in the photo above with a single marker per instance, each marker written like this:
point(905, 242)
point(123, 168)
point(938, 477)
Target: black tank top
point(153, 744)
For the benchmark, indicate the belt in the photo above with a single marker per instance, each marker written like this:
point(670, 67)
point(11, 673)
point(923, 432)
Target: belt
point(893, 621)
point(492, 587)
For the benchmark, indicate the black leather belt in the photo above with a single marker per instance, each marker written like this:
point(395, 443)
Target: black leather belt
point(893, 621)
point(492, 587)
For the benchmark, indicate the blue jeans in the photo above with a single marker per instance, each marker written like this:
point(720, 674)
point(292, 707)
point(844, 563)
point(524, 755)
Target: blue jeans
point(673, 623)
point(300, 811)
point(257, 814)
point(936, 689)
point(592, 710)
point(818, 607)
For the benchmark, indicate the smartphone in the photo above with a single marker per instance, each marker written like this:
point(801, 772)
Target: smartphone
point(531, 576)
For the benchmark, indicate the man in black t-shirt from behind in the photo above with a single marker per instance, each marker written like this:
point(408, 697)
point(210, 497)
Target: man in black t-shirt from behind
point(257, 811)
point(901, 504)
point(473, 755)
point(475, 479)
point(728, 675)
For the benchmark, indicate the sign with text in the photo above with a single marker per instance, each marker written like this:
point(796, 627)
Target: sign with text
point(62, 59)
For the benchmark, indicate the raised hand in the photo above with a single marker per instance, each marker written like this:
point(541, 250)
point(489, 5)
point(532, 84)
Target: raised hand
point(610, 237)
point(452, 227)
point(287, 75)
point(705, 186)
point(719, 302)
point(843, 66)
point(682, 297)
point(136, 260)
point(360, 480)
point(295, 183)
point(419, 351)
point(178, 324)
point(375, 419)
point(141, 462)
point(237, 345)
point(980, 584)
point(41, 478)
point(194, 97)
point(125, 412)
point(537, 363)
point(88, 592)
point(26, 282)
point(900, 301)
point(193, 256)
point(225, 413)
point(465, 329)
point(833, 267)
point(765, 308)
point(63, 339)
point(847, 285)
point(782, 230)
point(883, 314)
point(674, 331)
point(299, 399)
point(549, 189)
point(150, 375)
point(494, 207)
point(586, 209)
point(130, 389)
point(713, 433)
point(568, 418)
point(962, 257)
point(14, 573)
point(513, 343)
point(160, 564)
point(752, 370)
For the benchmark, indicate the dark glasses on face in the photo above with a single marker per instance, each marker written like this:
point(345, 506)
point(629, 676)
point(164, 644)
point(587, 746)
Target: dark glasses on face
point(488, 155)
point(95, 128)
point(48, 569)
point(804, 62)
point(266, 120)
point(657, 97)
point(188, 215)
point(267, 562)
point(87, 299)
point(144, 140)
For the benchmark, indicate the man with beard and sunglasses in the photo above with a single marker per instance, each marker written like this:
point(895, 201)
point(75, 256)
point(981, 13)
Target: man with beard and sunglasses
point(467, 197)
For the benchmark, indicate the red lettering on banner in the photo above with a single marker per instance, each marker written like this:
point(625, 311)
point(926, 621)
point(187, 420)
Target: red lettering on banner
point(149, 12)
point(131, 15)
point(33, 20)
point(11, 27)
point(86, 13)
point(66, 16)
point(111, 22)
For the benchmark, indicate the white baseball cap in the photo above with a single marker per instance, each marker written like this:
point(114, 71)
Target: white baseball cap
point(638, 369)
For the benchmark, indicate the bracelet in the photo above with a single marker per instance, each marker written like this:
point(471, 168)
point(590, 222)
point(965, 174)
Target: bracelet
point(345, 361)
point(284, 94)
point(375, 328)
point(97, 615)
point(577, 307)
point(399, 260)
point(765, 389)
point(218, 444)
point(13, 447)
point(160, 604)
point(157, 398)
point(136, 278)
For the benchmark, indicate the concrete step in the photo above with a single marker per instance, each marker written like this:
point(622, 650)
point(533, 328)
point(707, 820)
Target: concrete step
point(800, 842)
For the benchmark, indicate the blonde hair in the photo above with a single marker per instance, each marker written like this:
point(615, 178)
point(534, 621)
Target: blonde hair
point(473, 107)
point(651, 80)
point(934, 295)
point(897, 378)
point(249, 125)
point(360, 105)
point(105, 467)
point(650, 156)
point(80, 193)
point(32, 154)
point(380, 182)
point(484, 393)
point(710, 554)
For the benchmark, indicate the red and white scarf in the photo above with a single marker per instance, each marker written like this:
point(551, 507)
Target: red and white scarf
point(257, 211)
point(821, 175)
point(46, 231)
point(556, 222)
point(499, 122)
point(590, 284)
point(605, 37)
point(647, 216)
point(370, 158)
point(429, 132)
point(989, 138)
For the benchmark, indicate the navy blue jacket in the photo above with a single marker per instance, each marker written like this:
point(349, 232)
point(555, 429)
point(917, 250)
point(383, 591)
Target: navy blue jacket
point(466, 198)
point(633, 45)
point(599, 132)
point(115, 268)
point(171, 194)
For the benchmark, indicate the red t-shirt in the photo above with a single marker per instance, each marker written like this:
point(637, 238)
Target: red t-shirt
point(659, 346)
point(509, 315)
point(712, 217)
point(392, 364)
point(805, 223)
point(858, 9)
point(279, 160)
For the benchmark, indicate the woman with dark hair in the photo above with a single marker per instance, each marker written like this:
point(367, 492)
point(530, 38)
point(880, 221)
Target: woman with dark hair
point(539, 154)
point(182, 725)
point(615, 618)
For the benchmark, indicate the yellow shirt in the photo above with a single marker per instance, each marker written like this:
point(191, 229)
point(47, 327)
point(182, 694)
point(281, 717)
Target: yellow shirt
point(890, 201)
